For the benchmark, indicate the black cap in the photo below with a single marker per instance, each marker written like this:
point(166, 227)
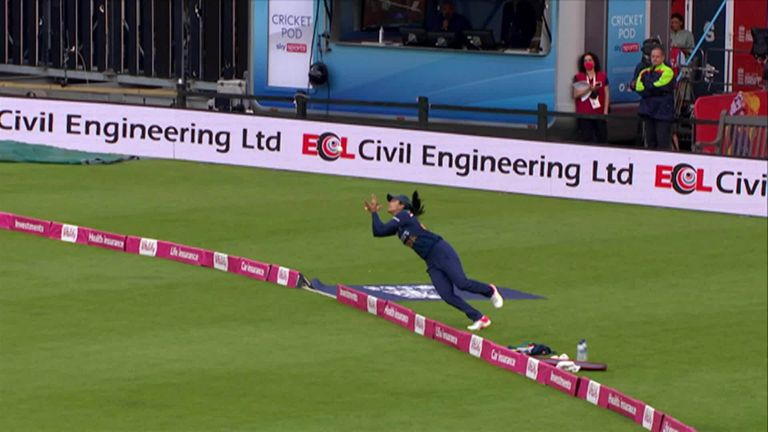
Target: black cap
point(402, 198)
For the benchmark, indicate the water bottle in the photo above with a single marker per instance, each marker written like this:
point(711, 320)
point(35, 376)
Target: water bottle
point(581, 350)
point(381, 35)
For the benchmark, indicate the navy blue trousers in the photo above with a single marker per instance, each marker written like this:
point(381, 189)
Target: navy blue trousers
point(444, 268)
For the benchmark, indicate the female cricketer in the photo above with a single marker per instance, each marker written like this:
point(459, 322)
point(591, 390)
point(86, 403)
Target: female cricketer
point(443, 264)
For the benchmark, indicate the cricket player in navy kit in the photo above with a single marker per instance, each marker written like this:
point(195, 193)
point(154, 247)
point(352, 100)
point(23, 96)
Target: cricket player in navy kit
point(443, 264)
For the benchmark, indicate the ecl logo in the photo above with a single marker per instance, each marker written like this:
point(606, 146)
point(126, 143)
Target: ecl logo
point(683, 178)
point(328, 146)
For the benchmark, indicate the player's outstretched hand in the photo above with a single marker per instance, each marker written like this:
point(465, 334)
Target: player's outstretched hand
point(373, 205)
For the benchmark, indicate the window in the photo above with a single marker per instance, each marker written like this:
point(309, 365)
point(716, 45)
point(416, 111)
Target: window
point(503, 26)
point(392, 14)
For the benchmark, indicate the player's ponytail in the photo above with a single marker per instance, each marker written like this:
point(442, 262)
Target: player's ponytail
point(417, 208)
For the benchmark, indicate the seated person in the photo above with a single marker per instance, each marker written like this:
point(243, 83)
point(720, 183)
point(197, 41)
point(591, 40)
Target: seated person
point(449, 20)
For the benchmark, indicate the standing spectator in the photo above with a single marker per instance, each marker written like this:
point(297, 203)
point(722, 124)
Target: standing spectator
point(655, 84)
point(645, 59)
point(590, 90)
point(680, 38)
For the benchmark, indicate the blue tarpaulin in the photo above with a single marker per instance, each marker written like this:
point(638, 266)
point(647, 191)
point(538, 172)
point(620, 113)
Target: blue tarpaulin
point(400, 292)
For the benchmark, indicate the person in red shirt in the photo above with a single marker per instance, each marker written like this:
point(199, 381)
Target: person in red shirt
point(590, 91)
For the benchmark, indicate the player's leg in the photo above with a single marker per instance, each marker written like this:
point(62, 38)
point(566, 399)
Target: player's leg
point(450, 264)
point(445, 259)
point(444, 288)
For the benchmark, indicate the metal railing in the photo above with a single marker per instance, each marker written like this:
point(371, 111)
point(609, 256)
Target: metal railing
point(422, 111)
point(300, 106)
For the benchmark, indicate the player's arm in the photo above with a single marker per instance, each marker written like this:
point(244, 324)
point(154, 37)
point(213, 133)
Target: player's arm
point(380, 229)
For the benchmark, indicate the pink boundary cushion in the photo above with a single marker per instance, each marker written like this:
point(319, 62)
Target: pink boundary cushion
point(423, 326)
point(32, 226)
point(223, 262)
point(671, 424)
point(183, 253)
point(534, 369)
point(68, 233)
point(5, 220)
point(651, 419)
point(566, 382)
point(283, 276)
point(351, 297)
point(504, 357)
point(625, 405)
point(252, 268)
point(106, 240)
point(228, 263)
point(399, 315)
point(476, 345)
point(593, 392)
point(452, 337)
point(375, 305)
point(141, 245)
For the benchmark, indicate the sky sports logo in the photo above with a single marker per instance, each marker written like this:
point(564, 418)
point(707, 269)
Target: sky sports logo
point(686, 179)
point(630, 47)
point(300, 48)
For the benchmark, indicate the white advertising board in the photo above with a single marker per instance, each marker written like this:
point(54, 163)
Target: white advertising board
point(677, 180)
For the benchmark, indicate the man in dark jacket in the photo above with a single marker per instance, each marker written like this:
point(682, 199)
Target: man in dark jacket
point(656, 86)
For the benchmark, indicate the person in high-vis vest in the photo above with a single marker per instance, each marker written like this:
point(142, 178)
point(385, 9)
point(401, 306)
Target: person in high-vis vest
point(656, 86)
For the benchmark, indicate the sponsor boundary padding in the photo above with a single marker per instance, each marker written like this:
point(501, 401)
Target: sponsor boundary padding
point(181, 253)
point(505, 358)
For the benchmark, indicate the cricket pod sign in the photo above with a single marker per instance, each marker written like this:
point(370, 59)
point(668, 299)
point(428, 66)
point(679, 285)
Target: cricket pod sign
point(643, 177)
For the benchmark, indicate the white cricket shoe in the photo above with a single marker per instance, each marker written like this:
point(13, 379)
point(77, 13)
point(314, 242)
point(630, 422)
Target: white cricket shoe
point(496, 299)
point(480, 324)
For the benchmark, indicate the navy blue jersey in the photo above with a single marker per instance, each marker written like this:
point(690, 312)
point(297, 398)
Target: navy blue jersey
point(410, 231)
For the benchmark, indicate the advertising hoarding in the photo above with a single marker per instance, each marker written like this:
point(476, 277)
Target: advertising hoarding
point(664, 179)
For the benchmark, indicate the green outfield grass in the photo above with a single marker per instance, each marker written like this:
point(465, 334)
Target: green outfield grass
point(674, 302)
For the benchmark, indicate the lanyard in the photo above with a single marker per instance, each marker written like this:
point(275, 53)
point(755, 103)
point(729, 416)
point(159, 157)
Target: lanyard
point(593, 81)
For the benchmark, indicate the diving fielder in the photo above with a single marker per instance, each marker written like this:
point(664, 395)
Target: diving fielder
point(443, 264)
